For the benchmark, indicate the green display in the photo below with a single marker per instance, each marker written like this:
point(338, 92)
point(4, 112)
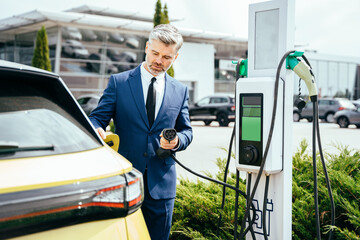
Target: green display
point(251, 128)
point(251, 118)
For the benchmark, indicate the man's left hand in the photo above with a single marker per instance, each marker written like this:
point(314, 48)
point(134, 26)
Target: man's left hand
point(165, 144)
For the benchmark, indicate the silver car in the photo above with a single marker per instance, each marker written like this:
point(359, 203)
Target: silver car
point(346, 117)
point(327, 108)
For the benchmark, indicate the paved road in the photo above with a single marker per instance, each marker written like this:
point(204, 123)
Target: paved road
point(201, 155)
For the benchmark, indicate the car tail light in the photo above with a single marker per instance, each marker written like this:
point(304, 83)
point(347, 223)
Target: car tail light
point(233, 108)
point(42, 209)
point(341, 108)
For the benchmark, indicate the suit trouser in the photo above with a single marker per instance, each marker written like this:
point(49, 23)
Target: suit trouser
point(157, 214)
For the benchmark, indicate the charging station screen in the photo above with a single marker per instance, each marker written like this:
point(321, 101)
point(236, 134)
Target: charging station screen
point(251, 117)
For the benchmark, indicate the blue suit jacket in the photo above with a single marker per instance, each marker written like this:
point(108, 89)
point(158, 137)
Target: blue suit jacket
point(123, 100)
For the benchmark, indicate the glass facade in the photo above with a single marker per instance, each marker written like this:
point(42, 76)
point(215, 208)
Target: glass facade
point(87, 57)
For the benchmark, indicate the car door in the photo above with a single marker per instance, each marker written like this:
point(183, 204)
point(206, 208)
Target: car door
point(217, 104)
point(325, 107)
point(200, 110)
point(356, 116)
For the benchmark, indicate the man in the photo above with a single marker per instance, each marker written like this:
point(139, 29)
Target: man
point(142, 102)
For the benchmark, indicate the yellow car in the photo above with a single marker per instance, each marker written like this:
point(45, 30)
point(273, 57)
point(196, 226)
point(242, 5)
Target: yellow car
point(58, 178)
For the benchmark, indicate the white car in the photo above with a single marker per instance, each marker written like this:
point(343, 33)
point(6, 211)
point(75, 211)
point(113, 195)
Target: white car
point(71, 33)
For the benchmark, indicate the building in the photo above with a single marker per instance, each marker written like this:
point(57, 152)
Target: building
point(89, 43)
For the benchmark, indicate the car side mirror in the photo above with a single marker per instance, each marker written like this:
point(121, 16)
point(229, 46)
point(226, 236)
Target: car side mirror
point(196, 105)
point(113, 141)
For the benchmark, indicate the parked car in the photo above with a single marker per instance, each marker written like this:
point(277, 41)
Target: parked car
point(75, 49)
point(346, 117)
point(116, 37)
point(327, 108)
point(58, 179)
point(94, 65)
point(220, 108)
point(71, 33)
point(122, 60)
point(88, 102)
point(132, 42)
point(88, 35)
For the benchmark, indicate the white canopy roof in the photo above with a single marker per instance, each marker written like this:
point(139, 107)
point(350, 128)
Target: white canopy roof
point(108, 19)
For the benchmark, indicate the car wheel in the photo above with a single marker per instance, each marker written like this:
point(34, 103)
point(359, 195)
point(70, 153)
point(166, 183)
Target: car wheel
point(207, 122)
point(329, 117)
point(343, 122)
point(296, 116)
point(309, 119)
point(358, 125)
point(223, 120)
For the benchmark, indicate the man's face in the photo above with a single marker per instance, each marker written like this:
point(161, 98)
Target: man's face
point(159, 57)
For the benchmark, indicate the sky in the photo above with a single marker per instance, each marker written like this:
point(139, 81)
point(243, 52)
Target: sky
point(330, 27)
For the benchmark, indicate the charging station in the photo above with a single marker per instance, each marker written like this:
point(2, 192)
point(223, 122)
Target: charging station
point(271, 34)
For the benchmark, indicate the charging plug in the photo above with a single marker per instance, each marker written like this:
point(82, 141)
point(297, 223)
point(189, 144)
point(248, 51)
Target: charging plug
point(169, 134)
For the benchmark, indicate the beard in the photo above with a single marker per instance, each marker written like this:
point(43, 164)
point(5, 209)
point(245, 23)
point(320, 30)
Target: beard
point(154, 68)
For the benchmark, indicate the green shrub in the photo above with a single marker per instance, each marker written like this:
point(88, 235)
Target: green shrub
point(197, 204)
point(41, 58)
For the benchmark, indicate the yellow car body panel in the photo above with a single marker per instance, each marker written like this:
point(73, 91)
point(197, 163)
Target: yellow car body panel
point(61, 169)
point(132, 227)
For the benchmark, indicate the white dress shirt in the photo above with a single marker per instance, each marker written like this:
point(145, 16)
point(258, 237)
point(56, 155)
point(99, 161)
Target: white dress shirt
point(159, 86)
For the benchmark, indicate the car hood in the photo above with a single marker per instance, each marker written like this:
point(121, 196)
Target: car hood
point(55, 170)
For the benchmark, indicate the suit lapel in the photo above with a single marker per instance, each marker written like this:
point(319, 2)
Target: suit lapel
point(168, 97)
point(137, 93)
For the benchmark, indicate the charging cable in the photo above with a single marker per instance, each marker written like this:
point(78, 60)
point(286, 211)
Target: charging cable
point(170, 134)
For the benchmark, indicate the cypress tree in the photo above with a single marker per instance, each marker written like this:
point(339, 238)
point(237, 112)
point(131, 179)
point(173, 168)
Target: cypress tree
point(158, 13)
point(161, 17)
point(165, 17)
point(165, 20)
point(41, 58)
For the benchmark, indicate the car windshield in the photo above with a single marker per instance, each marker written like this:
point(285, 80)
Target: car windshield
point(38, 129)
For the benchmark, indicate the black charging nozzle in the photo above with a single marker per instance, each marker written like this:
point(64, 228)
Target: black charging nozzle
point(169, 134)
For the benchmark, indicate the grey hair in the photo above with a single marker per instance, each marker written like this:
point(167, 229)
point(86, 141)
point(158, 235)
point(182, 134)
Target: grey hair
point(167, 34)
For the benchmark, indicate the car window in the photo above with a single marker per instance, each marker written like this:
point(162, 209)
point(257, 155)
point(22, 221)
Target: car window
point(324, 102)
point(204, 101)
point(216, 100)
point(36, 121)
point(232, 100)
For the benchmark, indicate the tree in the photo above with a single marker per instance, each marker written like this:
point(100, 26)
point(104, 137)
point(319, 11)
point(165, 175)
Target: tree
point(41, 58)
point(165, 17)
point(158, 13)
point(161, 17)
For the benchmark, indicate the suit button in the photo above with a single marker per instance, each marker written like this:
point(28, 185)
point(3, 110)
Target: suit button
point(145, 154)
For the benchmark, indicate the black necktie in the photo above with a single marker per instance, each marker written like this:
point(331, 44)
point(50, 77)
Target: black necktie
point(150, 102)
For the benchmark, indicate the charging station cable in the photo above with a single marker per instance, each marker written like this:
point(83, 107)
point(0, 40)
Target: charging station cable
point(169, 134)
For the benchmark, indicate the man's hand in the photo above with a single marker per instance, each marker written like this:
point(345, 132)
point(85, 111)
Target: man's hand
point(101, 132)
point(165, 144)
